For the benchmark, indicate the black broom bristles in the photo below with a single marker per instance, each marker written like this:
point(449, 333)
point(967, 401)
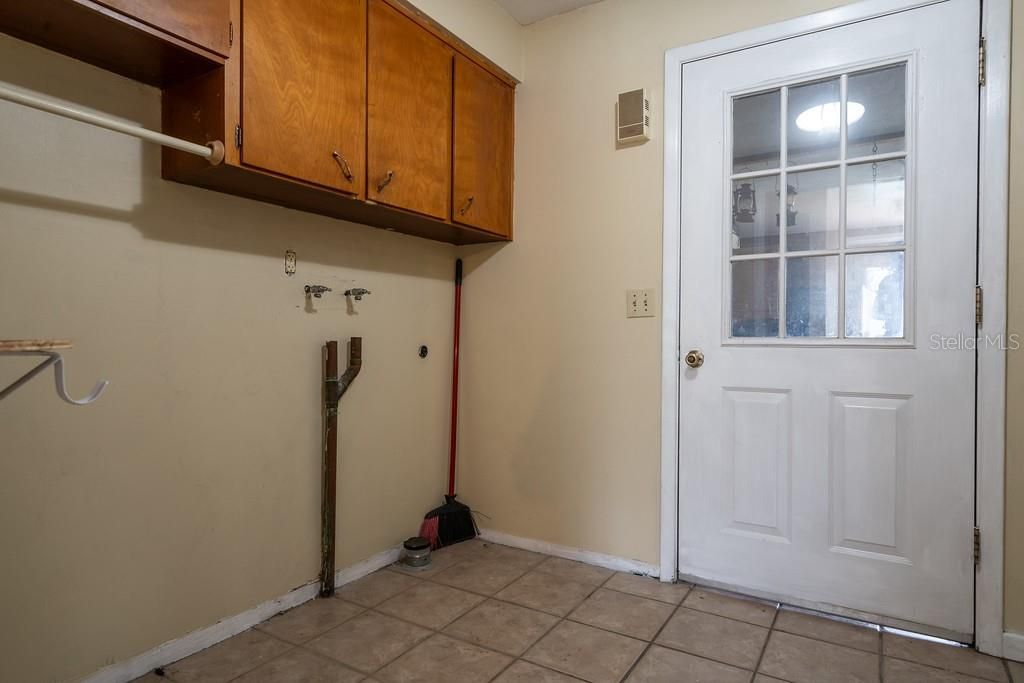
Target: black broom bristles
point(449, 524)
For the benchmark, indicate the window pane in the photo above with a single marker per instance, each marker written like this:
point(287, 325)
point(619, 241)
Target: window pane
point(812, 213)
point(756, 132)
point(875, 203)
point(874, 295)
point(879, 97)
point(754, 214)
point(755, 298)
point(812, 296)
point(812, 131)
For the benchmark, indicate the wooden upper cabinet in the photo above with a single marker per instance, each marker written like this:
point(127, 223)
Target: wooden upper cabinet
point(409, 115)
point(304, 90)
point(200, 22)
point(484, 135)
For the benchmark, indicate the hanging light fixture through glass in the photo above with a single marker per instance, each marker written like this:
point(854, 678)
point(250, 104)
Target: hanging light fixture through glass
point(791, 211)
point(744, 204)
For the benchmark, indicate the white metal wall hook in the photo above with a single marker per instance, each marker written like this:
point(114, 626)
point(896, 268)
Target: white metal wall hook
point(58, 378)
point(47, 349)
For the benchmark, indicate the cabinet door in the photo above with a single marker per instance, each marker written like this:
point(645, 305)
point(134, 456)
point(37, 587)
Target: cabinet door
point(304, 90)
point(409, 117)
point(484, 131)
point(200, 22)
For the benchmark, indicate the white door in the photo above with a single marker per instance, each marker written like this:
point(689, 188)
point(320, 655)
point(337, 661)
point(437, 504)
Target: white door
point(828, 251)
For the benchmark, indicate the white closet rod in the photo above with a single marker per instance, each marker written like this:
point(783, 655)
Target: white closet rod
point(211, 151)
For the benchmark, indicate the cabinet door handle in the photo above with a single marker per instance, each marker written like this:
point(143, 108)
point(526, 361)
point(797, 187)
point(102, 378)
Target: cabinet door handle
point(344, 165)
point(465, 207)
point(386, 181)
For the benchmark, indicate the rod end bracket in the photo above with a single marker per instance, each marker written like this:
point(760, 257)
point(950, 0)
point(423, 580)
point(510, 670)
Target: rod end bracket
point(217, 149)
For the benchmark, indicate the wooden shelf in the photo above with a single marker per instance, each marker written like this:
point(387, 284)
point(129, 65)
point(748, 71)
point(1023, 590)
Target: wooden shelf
point(34, 344)
point(106, 38)
point(266, 187)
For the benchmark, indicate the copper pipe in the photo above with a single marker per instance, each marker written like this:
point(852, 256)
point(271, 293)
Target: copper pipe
point(334, 388)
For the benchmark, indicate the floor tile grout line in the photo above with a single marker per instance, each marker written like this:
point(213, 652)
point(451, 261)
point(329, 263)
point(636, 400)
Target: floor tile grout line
point(433, 632)
point(548, 668)
point(566, 617)
point(562, 619)
point(709, 658)
point(436, 632)
point(881, 656)
point(826, 642)
point(782, 607)
point(536, 567)
point(382, 614)
point(723, 616)
point(280, 654)
point(942, 668)
point(526, 572)
point(337, 593)
point(735, 596)
point(532, 568)
point(604, 586)
point(651, 642)
point(767, 639)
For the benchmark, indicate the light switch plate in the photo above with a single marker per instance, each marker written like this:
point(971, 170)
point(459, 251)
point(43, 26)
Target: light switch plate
point(640, 303)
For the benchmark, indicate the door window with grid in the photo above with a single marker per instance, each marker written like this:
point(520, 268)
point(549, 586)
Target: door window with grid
point(818, 240)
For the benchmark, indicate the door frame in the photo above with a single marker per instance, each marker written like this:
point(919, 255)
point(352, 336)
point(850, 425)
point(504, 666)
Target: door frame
point(993, 198)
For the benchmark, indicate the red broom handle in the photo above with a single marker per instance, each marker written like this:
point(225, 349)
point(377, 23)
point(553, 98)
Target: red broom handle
point(455, 379)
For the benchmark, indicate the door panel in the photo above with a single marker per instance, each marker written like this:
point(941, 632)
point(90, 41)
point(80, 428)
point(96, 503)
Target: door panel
point(304, 90)
point(201, 22)
point(755, 443)
point(409, 124)
point(869, 437)
point(484, 122)
point(828, 239)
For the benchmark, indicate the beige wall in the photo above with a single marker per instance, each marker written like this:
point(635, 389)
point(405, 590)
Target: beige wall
point(191, 490)
point(561, 427)
point(484, 25)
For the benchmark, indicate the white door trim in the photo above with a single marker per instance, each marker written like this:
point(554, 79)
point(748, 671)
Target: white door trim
point(993, 200)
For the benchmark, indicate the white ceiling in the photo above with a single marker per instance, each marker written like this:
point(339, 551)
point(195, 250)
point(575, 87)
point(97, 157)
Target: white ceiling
point(529, 11)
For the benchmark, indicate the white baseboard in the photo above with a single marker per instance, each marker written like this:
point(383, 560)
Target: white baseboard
point(1013, 646)
point(619, 564)
point(173, 650)
point(367, 566)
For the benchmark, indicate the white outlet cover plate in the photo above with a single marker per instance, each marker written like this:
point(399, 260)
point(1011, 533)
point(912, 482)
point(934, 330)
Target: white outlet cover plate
point(641, 303)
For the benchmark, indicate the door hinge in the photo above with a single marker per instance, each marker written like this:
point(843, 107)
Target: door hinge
point(981, 61)
point(231, 33)
point(977, 546)
point(979, 305)
point(238, 135)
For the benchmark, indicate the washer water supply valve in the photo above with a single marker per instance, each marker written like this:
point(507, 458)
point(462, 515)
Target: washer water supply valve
point(357, 293)
point(316, 291)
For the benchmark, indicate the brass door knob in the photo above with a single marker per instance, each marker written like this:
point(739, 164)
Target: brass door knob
point(694, 358)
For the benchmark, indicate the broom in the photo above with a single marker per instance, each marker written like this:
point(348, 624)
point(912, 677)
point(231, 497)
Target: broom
point(452, 522)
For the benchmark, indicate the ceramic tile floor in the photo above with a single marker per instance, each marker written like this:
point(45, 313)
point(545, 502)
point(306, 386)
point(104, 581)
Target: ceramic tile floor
point(486, 612)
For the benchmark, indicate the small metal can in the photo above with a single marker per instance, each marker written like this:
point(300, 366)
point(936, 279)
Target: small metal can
point(416, 552)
